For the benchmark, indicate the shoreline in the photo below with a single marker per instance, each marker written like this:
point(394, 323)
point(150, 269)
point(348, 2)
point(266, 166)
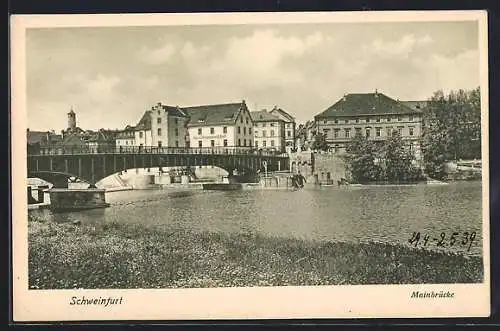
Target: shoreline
point(113, 255)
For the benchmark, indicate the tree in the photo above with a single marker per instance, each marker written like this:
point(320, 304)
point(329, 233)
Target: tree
point(399, 160)
point(360, 160)
point(319, 142)
point(451, 129)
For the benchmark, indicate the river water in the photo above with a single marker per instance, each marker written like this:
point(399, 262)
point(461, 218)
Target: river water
point(372, 213)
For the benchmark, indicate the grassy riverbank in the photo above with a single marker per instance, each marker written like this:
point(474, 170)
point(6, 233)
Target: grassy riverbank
point(123, 256)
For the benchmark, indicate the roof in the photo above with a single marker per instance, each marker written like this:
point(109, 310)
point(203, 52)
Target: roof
point(365, 104)
point(283, 114)
point(41, 137)
point(174, 111)
point(72, 140)
point(126, 133)
point(103, 136)
point(213, 114)
point(35, 137)
point(415, 104)
point(263, 116)
point(145, 121)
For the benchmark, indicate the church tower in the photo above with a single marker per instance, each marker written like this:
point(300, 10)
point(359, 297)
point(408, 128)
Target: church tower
point(71, 120)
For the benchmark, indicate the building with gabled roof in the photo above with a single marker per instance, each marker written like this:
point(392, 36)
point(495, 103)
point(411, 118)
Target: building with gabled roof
point(219, 125)
point(290, 127)
point(374, 115)
point(161, 126)
point(126, 137)
point(268, 131)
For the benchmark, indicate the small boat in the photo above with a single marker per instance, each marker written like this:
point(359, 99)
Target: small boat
point(222, 186)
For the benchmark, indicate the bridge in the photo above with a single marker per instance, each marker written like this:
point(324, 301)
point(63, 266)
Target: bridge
point(60, 165)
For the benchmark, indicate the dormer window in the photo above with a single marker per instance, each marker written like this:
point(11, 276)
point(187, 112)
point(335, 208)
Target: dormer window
point(201, 120)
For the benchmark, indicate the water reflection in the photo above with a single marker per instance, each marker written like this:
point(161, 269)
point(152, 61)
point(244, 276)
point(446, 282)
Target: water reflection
point(389, 214)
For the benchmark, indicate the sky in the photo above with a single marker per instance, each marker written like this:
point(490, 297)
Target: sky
point(111, 75)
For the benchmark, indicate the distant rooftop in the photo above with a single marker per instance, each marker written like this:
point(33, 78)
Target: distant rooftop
point(366, 104)
point(263, 116)
point(213, 114)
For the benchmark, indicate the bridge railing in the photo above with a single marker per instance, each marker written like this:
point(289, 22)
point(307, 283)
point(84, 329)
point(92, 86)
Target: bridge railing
point(74, 150)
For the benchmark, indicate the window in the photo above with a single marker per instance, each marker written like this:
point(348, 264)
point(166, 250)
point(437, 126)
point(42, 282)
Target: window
point(249, 130)
point(264, 143)
point(377, 132)
point(239, 129)
point(325, 121)
point(212, 143)
point(264, 133)
point(272, 143)
point(244, 142)
point(176, 131)
point(225, 142)
point(389, 132)
point(272, 124)
point(400, 131)
point(357, 120)
point(336, 133)
point(246, 120)
point(199, 132)
point(200, 143)
point(159, 111)
point(176, 143)
point(288, 125)
point(159, 131)
point(264, 124)
point(140, 134)
point(388, 119)
point(244, 130)
point(358, 131)
point(348, 133)
point(378, 120)
point(158, 120)
point(212, 130)
point(159, 143)
point(241, 119)
point(255, 132)
point(176, 121)
point(411, 131)
point(410, 118)
point(367, 120)
point(239, 142)
point(400, 118)
point(289, 133)
point(367, 133)
point(336, 121)
point(256, 144)
point(272, 133)
point(346, 121)
point(126, 142)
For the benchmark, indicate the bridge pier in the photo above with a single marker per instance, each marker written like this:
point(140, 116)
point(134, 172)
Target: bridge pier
point(76, 199)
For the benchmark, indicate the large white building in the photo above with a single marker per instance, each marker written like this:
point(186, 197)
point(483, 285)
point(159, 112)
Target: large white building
point(220, 125)
point(268, 131)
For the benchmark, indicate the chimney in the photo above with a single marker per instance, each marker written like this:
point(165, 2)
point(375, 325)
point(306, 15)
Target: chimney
point(344, 98)
point(159, 104)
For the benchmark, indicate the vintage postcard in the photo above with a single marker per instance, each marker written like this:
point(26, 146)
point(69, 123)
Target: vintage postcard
point(250, 166)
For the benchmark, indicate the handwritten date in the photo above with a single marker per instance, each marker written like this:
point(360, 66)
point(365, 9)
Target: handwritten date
point(444, 239)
